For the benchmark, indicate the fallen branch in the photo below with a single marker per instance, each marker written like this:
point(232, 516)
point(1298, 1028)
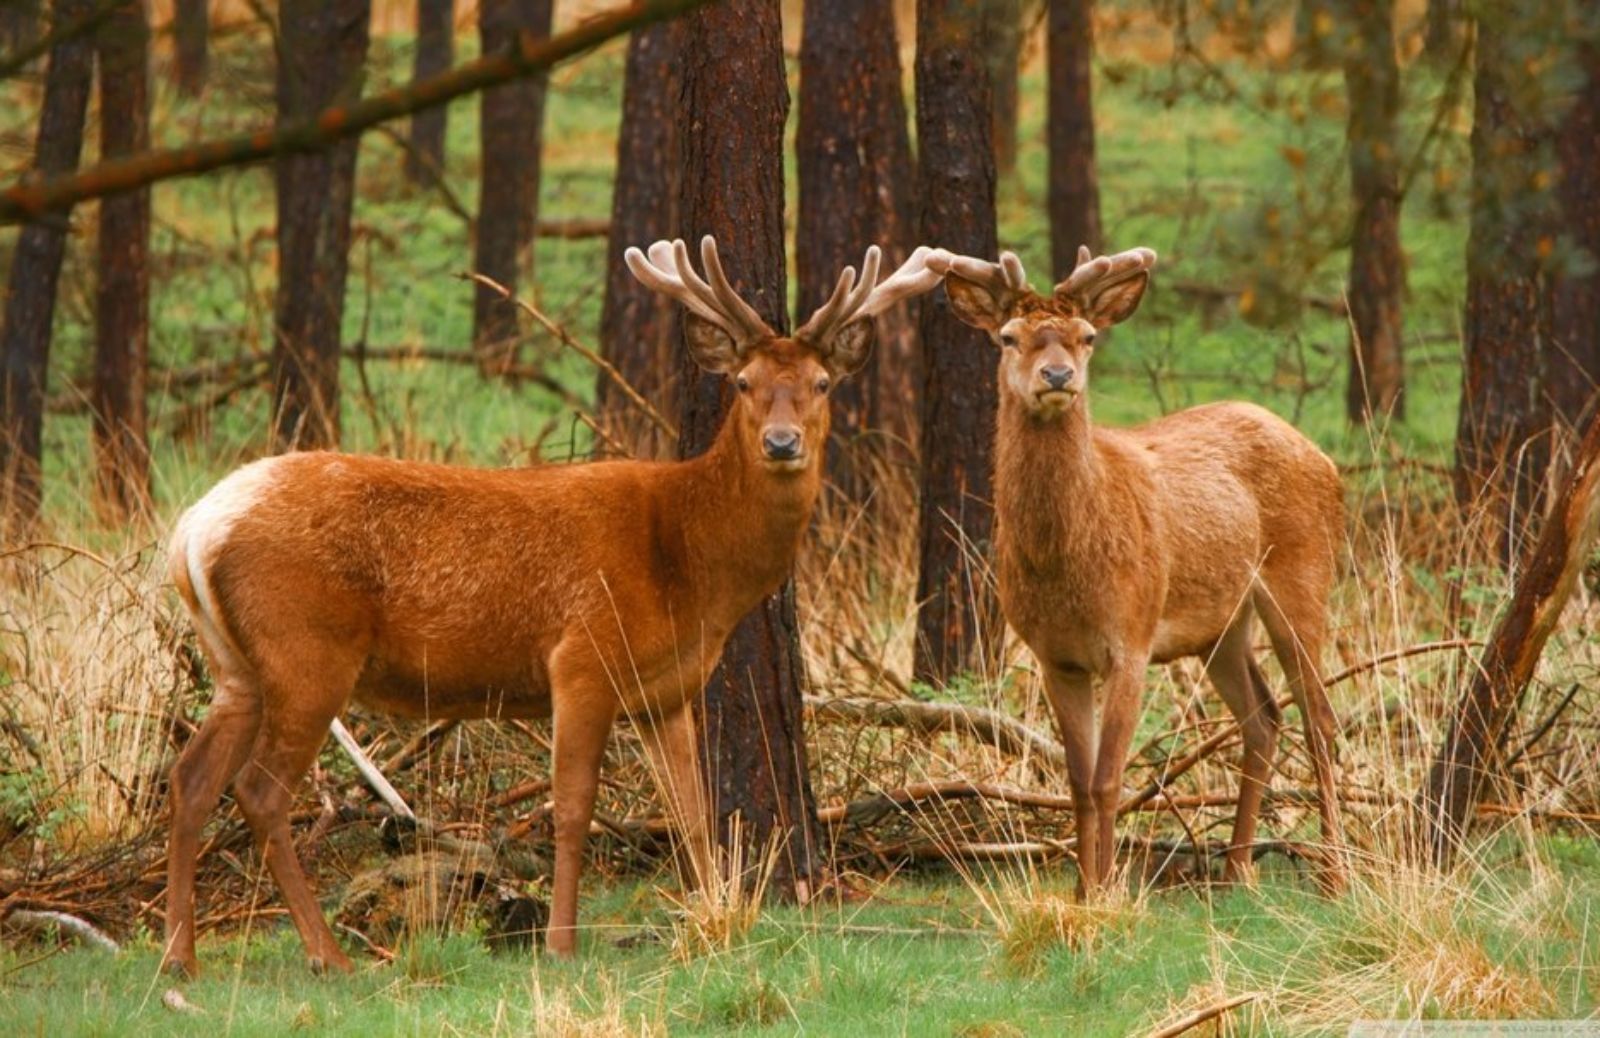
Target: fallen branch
point(85, 931)
point(1189, 1021)
point(369, 771)
point(530, 55)
point(870, 809)
point(1006, 734)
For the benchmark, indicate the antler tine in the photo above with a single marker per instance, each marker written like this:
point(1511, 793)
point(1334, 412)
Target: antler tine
point(1101, 271)
point(860, 297)
point(1005, 280)
point(665, 268)
point(735, 307)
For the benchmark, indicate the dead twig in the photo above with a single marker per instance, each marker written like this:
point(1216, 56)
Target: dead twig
point(1189, 1021)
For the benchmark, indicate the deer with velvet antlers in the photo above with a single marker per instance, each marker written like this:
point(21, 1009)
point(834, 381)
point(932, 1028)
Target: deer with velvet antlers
point(576, 592)
point(1118, 548)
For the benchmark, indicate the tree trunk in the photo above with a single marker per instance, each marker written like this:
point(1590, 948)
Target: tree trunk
point(436, 40)
point(638, 330)
point(191, 31)
point(1443, 33)
point(321, 62)
point(1575, 285)
point(957, 617)
point(19, 24)
point(1074, 185)
point(122, 291)
point(854, 158)
point(35, 268)
point(1004, 50)
point(731, 112)
point(1473, 749)
point(511, 118)
point(1377, 264)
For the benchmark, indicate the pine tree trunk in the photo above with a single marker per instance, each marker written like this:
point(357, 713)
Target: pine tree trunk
point(638, 330)
point(1575, 289)
point(321, 62)
point(1004, 48)
point(1444, 31)
point(511, 118)
point(122, 293)
point(854, 158)
point(731, 114)
point(35, 269)
point(436, 44)
point(1502, 433)
point(191, 30)
point(19, 24)
point(957, 618)
point(1074, 184)
point(1377, 264)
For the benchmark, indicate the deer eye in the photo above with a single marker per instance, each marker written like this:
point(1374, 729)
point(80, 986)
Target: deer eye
point(822, 385)
point(1008, 340)
point(743, 384)
point(1088, 340)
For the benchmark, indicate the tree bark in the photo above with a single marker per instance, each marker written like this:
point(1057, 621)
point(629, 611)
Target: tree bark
point(323, 47)
point(1474, 748)
point(638, 329)
point(1074, 184)
point(957, 617)
point(1575, 284)
point(19, 24)
point(191, 31)
point(1004, 50)
point(511, 118)
point(1518, 245)
point(1377, 287)
point(35, 269)
point(854, 158)
point(731, 112)
point(436, 38)
point(122, 287)
point(1444, 31)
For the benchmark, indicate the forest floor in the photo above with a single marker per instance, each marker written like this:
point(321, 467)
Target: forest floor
point(1510, 936)
point(1236, 173)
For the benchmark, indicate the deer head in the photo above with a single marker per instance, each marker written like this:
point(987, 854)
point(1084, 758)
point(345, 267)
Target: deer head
point(1045, 341)
point(783, 381)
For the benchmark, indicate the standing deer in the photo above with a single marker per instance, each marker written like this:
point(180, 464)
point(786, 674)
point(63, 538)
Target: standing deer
point(1118, 548)
point(576, 592)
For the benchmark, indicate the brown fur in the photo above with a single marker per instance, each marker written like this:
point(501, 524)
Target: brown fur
point(580, 592)
point(1119, 548)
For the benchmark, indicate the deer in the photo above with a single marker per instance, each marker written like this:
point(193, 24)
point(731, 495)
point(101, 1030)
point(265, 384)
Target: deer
point(1115, 549)
point(580, 593)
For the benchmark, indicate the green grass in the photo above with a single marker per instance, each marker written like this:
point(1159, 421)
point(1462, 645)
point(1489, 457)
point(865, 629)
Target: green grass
point(920, 959)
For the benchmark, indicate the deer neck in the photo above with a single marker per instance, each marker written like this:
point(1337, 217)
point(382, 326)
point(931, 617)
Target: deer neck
point(1048, 481)
point(745, 521)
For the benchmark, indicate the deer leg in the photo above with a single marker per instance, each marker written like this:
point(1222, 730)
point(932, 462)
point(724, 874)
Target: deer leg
point(292, 734)
point(675, 759)
point(1071, 695)
point(1297, 636)
point(581, 719)
point(1231, 670)
point(1123, 700)
point(210, 760)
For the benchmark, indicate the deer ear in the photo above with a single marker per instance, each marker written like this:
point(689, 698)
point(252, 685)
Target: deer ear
point(851, 346)
point(1116, 302)
point(710, 347)
point(973, 304)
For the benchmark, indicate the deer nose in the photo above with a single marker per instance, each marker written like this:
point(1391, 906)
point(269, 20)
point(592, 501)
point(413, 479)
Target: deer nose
point(781, 444)
point(1056, 377)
